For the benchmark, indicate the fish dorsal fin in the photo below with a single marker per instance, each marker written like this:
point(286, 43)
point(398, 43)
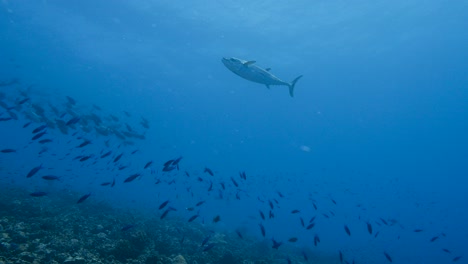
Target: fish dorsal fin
point(248, 63)
point(267, 69)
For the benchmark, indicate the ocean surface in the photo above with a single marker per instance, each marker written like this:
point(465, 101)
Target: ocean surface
point(125, 139)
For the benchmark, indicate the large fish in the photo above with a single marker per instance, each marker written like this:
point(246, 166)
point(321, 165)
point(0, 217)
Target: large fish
point(248, 70)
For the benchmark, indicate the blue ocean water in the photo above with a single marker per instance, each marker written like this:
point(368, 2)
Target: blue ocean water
point(376, 132)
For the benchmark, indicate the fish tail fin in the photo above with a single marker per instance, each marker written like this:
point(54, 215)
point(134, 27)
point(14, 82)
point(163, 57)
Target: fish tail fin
point(292, 84)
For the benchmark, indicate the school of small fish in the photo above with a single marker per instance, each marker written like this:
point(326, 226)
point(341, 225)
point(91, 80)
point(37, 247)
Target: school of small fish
point(89, 125)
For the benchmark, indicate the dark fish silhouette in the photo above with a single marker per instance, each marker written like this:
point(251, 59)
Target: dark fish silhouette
point(292, 239)
point(39, 129)
point(276, 244)
point(148, 164)
point(261, 214)
point(83, 198)
point(216, 219)
point(50, 178)
point(388, 256)
point(209, 171)
point(210, 246)
point(7, 150)
point(262, 229)
point(369, 228)
point(33, 171)
point(127, 227)
point(347, 230)
point(132, 177)
point(163, 204)
point(193, 217)
point(38, 194)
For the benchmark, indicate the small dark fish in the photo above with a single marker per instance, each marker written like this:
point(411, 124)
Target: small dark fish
point(187, 174)
point(73, 121)
point(50, 178)
point(280, 194)
point(305, 256)
point(132, 177)
point(302, 222)
point(193, 218)
point(85, 143)
point(118, 157)
point(85, 158)
point(383, 221)
point(239, 234)
point(271, 204)
point(200, 203)
point(455, 259)
point(446, 250)
point(7, 150)
point(312, 219)
point(27, 124)
point(293, 239)
point(24, 101)
point(262, 229)
point(388, 256)
point(276, 244)
point(39, 135)
point(209, 171)
point(434, 238)
point(234, 182)
point(210, 246)
point(39, 129)
point(122, 167)
point(333, 200)
point(205, 241)
point(418, 230)
point(163, 204)
point(43, 141)
point(295, 211)
point(148, 164)
point(106, 154)
point(316, 240)
point(211, 186)
point(83, 198)
point(33, 171)
point(105, 183)
point(127, 227)
point(71, 100)
point(113, 183)
point(347, 230)
point(310, 226)
point(315, 206)
point(216, 219)
point(261, 214)
point(165, 213)
point(38, 194)
point(369, 228)
point(341, 256)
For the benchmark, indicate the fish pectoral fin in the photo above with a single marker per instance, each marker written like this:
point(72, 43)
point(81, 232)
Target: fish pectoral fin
point(268, 86)
point(247, 63)
point(267, 69)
